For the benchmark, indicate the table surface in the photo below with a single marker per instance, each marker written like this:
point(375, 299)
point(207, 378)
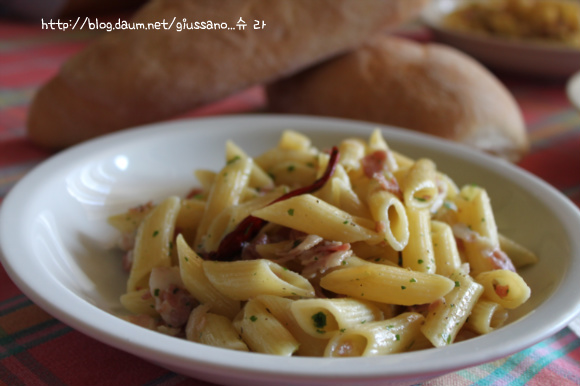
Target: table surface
point(36, 349)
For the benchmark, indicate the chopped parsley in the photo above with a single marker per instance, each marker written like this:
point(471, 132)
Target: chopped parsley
point(319, 320)
point(155, 233)
point(233, 160)
point(291, 212)
point(253, 318)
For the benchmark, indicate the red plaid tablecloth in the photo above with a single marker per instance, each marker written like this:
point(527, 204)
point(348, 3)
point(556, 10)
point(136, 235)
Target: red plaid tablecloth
point(36, 349)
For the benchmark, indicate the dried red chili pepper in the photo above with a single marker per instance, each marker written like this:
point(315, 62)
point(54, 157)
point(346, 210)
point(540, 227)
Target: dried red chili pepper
point(232, 244)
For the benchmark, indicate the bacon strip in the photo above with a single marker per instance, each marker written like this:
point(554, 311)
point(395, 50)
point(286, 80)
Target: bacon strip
point(374, 165)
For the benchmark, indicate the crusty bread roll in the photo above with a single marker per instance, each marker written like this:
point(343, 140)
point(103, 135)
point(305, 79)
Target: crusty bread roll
point(426, 87)
point(132, 77)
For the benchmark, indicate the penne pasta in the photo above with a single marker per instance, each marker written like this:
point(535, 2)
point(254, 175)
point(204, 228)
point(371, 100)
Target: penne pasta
point(244, 279)
point(402, 160)
point(486, 316)
point(384, 337)
point(356, 251)
point(311, 215)
point(351, 153)
point(445, 250)
point(262, 332)
point(258, 177)
point(474, 212)
point(206, 178)
point(153, 243)
point(518, 254)
point(139, 302)
point(338, 192)
point(197, 283)
point(377, 253)
point(377, 142)
point(387, 284)
point(324, 317)
point(213, 330)
point(292, 174)
point(276, 156)
point(418, 253)
point(419, 185)
point(388, 211)
point(293, 140)
point(225, 191)
point(447, 316)
point(280, 308)
point(189, 217)
point(504, 287)
point(130, 220)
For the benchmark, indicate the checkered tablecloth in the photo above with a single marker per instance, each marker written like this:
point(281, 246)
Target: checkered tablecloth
point(36, 349)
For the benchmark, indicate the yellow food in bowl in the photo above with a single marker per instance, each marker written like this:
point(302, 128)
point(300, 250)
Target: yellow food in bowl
point(555, 21)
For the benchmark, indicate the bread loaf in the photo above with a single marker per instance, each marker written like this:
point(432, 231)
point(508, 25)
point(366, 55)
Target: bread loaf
point(132, 77)
point(430, 88)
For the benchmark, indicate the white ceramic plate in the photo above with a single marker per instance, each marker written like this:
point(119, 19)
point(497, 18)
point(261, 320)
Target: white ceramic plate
point(529, 58)
point(56, 245)
point(573, 90)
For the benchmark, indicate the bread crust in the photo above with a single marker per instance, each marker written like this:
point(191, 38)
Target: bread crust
point(128, 77)
point(430, 88)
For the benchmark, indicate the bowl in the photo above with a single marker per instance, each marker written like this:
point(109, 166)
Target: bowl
point(56, 245)
point(536, 59)
point(573, 90)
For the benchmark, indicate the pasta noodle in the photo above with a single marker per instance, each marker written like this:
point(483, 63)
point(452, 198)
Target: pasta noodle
point(356, 251)
point(447, 316)
point(214, 330)
point(262, 332)
point(387, 284)
point(153, 243)
point(504, 287)
point(486, 316)
point(389, 336)
point(242, 280)
point(319, 317)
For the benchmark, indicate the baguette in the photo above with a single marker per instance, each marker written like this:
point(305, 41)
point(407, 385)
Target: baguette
point(132, 77)
point(430, 88)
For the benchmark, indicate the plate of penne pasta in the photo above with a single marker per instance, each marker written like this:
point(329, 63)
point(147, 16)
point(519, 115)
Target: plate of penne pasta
point(274, 249)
